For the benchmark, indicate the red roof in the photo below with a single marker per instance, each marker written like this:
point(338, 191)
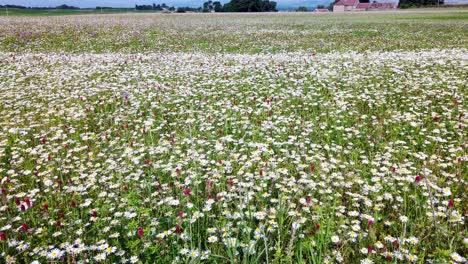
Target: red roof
point(348, 2)
point(363, 5)
point(382, 5)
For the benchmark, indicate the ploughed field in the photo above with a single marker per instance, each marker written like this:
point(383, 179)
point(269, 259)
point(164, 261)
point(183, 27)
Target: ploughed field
point(216, 138)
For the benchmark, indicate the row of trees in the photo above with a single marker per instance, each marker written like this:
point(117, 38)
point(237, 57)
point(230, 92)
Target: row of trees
point(24, 7)
point(419, 3)
point(210, 6)
point(216, 6)
point(240, 6)
point(188, 9)
point(13, 6)
point(156, 7)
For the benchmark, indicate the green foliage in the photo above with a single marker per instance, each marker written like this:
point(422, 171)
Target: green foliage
point(154, 7)
point(418, 3)
point(302, 9)
point(218, 7)
point(250, 6)
point(207, 6)
point(188, 9)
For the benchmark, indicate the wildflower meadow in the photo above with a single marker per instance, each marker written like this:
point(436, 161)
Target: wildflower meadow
point(234, 138)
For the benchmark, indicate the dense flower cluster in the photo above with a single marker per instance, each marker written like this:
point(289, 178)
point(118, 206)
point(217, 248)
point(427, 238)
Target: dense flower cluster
point(342, 157)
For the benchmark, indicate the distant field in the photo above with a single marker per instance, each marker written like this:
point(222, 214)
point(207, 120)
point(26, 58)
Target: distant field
point(238, 33)
point(234, 138)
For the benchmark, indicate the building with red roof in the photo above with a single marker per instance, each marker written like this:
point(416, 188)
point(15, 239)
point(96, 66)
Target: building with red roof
point(354, 5)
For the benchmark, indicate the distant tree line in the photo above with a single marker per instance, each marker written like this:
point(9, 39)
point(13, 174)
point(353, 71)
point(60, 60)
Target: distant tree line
point(419, 3)
point(66, 7)
point(188, 9)
point(156, 7)
point(24, 7)
point(240, 6)
point(13, 6)
point(209, 6)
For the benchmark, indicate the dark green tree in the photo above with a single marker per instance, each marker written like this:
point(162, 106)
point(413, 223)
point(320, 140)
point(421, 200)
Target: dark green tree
point(207, 6)
point(217, 6)
point(302, 9)
point(418, 3)
point(250, 6)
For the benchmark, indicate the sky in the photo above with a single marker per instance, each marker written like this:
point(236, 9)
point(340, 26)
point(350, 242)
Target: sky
point(131, 3)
